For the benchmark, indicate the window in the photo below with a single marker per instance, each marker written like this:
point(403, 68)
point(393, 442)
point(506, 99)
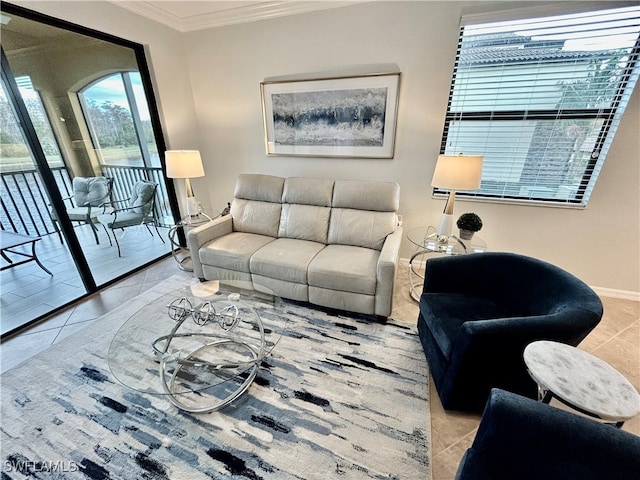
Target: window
point(118, 117)
point(15, 156)
point(541, 100)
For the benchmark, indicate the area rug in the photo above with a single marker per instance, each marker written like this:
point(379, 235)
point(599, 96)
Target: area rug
point(342, 396)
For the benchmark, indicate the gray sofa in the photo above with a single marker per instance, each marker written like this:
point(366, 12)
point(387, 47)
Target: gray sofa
point(330, 243)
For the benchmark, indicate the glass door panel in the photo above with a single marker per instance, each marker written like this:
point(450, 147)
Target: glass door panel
point(28, 290)
point(90, 102)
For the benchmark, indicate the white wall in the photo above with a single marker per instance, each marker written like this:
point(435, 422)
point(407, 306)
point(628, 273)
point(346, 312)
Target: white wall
point(600, 244)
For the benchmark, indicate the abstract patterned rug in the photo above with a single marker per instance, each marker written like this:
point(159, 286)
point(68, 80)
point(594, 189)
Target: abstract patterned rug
point(340, 397)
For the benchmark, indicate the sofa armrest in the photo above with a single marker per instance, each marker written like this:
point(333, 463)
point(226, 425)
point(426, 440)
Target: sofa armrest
point(386, 272)
point(525, 439)
point(203, 234)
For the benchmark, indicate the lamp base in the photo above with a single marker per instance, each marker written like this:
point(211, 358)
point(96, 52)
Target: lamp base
point(193, 207)
point(444, 227)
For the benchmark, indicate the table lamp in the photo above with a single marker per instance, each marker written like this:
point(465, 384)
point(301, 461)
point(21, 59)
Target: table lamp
point(185, 164)
point(455, 172)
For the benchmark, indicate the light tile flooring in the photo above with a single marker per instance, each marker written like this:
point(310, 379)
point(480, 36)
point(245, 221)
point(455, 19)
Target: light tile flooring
point(616, 340)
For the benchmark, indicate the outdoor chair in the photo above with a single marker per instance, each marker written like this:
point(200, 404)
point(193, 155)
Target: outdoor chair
point(90, 195)
point(140, 210)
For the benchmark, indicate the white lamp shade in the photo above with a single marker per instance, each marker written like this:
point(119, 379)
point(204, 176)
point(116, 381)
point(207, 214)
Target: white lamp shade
point(458, 172)
point(184, 164)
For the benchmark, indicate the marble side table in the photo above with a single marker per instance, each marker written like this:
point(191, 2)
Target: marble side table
point(581, 381)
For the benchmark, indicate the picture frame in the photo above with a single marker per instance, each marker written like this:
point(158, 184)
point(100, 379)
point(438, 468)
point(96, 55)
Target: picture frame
point(346, 116)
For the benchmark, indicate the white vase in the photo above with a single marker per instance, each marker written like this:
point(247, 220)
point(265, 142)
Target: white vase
point(466, 234)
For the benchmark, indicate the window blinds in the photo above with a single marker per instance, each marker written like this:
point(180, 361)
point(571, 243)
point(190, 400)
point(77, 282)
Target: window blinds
point(541, 98)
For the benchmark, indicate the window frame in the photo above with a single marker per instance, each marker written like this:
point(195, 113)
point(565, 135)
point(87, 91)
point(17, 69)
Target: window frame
point(609, 116)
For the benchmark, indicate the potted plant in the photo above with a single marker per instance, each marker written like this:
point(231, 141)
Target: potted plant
point(468, 223)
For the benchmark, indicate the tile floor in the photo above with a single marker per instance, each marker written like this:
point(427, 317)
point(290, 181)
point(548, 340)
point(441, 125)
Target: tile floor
point(616, 340)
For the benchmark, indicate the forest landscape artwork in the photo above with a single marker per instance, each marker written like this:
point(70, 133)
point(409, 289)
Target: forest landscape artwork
point(335, 117)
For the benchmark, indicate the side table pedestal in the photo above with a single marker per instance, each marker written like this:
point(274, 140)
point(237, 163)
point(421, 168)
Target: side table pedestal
point(428, 243)
point(180, 254)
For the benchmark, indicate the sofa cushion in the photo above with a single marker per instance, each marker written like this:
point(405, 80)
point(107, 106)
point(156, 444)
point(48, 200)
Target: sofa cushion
point(251, 216)
point(444, 314)
point(233, 251)
point(264, 188)
point(285, 259)
point(344, 267)
point(305, 222)
point(366, 195)
point(308, 191)
point(360, 228)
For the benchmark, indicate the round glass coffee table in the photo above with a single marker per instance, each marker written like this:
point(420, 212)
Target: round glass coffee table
point(200, 346)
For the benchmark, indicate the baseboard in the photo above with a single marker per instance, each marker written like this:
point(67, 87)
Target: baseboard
point(601, 291)
point(614, 293)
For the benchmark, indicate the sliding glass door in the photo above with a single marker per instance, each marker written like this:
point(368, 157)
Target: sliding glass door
point(79, 134)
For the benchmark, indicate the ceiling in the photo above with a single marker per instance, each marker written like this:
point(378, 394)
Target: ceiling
point(187, 16)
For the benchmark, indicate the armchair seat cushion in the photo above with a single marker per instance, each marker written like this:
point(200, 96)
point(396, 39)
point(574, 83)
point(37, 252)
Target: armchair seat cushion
point(80, 214)
point(121, 220)
point(345, 268)
point(233, 251)
point(445, 313)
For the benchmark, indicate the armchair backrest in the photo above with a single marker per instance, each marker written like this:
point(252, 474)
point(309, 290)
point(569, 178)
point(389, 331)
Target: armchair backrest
point(91, 191)
point(523, 285)
point(142, 197)
point(520, 438)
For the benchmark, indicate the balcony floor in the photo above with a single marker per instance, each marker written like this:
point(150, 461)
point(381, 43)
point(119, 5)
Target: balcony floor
point(28, 292)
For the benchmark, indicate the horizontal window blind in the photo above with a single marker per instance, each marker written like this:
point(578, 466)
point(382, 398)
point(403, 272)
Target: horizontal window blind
point(541, 99)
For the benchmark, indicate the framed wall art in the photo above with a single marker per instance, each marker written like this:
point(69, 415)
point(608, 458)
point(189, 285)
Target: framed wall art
point(351, 116)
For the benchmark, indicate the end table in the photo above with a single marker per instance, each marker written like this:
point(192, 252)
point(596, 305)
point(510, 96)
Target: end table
point(427, 241)
point(181, 254)
point(581, 381)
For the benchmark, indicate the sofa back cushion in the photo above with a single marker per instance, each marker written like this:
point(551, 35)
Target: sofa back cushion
point(360, 228)
point(363, 213)
point(366, 195)
point(306, 206)
point(256, 205)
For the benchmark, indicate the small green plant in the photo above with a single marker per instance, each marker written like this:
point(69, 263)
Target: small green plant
point(469, 221)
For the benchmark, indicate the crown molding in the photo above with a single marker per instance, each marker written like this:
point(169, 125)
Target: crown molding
point(219, 17)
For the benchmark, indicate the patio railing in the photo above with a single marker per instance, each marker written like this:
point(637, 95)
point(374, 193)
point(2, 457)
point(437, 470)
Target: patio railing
point(24, 204)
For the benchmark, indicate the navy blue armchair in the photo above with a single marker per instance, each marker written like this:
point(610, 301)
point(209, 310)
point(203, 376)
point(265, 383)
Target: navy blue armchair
point(478, 312)
point(519, 438)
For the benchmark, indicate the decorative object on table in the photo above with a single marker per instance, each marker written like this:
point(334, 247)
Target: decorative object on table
point(217, 362)
point(582, 381)
point(479, 312)
point(186, 164)
point(140, 210)
point(468, 223)
point(455, 172)
point(336, 116)
point(329, 396)
point(519, 438)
